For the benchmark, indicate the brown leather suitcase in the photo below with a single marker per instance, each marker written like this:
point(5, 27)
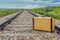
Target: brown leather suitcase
point(44, 24)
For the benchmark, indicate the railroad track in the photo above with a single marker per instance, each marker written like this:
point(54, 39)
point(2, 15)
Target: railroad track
point(21, 28)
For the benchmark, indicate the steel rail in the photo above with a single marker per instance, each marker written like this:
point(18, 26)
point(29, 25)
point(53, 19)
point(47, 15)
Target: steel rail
point(8, 20)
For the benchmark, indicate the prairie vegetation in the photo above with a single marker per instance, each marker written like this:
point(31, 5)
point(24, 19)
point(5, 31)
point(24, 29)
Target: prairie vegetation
point(53, 11)
point(5, 12)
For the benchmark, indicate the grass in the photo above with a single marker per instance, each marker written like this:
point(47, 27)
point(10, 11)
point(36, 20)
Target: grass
point(5, 12)
point(55, 12)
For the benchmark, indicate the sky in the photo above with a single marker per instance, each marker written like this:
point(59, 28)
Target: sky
point(28, 4)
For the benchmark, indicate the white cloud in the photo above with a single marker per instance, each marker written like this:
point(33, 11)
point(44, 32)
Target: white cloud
point(27, 6)
point(25, 0)
point(27, 3)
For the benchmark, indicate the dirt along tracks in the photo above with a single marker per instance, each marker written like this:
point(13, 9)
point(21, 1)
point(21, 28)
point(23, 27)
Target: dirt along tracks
point(22, 29)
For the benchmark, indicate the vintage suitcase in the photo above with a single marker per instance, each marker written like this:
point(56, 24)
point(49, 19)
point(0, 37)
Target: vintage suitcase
point(44, 24)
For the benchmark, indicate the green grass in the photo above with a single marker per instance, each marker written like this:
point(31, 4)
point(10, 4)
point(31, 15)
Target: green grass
point(5, 12)
point(55, 12)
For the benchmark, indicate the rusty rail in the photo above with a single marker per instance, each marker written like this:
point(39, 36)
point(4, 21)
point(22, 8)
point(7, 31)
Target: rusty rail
point(8, 20)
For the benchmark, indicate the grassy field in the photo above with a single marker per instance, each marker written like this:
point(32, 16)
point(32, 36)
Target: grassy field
point(54, 11)
point(5, 12)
